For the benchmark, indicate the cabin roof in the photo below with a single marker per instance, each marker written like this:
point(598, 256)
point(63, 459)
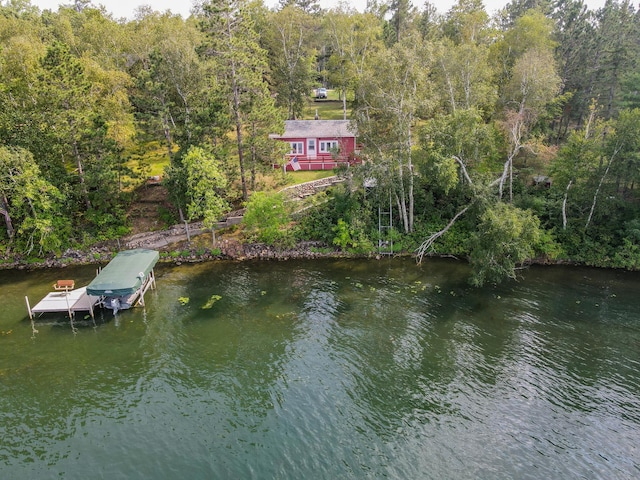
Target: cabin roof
point(124, 274)
point(317, 129)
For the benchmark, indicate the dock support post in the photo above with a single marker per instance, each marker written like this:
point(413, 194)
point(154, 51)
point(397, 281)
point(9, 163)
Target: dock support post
point(73, 327)
point(28, 308)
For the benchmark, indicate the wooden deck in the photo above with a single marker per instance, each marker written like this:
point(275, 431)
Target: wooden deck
point(65, 301)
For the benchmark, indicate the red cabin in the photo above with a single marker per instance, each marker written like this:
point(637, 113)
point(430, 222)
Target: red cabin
point(318, 144)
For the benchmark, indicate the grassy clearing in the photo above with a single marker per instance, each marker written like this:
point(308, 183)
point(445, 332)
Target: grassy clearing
point(329, 109)
point(294, 178)
point(275, 181)
point(145, 160)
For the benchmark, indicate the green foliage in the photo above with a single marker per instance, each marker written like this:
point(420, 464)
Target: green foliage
point(456, 241)
point(506, 238)
point(232, 43)
point(78, 88)
point(291, 56)
point(549, 247)
point(205, 186)
point(167, 216)
point(343, 237)
point(628, 256)
point(631, 90)
point(317, 223)
point(101, 226)
point(266, 218)
point(449, 142)
point(352, 237)
point(30, 205)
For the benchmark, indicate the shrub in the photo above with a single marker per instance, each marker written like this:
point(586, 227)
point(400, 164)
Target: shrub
point(266, 218)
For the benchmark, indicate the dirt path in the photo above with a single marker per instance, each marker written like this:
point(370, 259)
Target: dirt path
point(161, 239)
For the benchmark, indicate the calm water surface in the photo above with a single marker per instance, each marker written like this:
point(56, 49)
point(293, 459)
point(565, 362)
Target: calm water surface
point(327, 370)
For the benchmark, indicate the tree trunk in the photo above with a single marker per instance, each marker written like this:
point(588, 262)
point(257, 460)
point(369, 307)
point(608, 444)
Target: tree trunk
point(254, 161)
point(564, 206)
point(595, 195)
point(83, 185)
point(4, 210)
point(503, 177)
point(511, 181)
point(344, 103)
point(410, 168)
point(428, 243)
point(167, 137)
point(402, 203)
point(238, 122)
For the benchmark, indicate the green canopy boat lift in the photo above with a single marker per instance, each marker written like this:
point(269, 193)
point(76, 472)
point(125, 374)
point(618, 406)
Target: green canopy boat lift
point(123, 282)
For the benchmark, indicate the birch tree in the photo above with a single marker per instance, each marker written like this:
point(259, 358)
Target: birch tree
point(534, 83)
point(292, 58)
point(397, 92)
point(354, 39)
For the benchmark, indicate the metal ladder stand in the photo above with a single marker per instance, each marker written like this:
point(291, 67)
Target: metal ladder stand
point(385, 224)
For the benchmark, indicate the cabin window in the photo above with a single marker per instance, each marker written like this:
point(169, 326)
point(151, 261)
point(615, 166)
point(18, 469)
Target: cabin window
point(297, 148)
point(312, 145)
point(329, 146)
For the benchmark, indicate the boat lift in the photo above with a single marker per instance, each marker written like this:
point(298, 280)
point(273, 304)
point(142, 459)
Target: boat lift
point(120, 285)
point(124, 281)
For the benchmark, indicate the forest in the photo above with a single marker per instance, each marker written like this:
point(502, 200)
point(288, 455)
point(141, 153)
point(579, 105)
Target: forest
point(501, 139)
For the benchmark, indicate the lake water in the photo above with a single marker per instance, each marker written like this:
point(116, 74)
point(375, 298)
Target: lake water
point(327, 370)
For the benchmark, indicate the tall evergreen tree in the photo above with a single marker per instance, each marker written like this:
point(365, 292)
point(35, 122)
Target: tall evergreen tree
point(398, 25)
point(615, 53)
point(574, 33)
point(232, 41)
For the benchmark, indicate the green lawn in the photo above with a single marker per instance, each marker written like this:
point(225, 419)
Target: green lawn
point(329, 109)
point(294, 178)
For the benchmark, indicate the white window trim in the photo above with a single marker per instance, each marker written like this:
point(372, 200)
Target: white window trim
point(297, 148)
point(326, 146)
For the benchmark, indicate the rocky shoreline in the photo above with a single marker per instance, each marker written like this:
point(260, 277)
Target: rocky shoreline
point(230, 250)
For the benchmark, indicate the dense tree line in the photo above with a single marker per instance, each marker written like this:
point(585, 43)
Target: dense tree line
point(500, 138)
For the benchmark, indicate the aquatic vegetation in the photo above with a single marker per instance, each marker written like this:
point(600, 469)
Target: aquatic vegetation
point(211, 301)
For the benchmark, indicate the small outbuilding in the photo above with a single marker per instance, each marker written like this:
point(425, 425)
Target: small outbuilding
point(319, 144)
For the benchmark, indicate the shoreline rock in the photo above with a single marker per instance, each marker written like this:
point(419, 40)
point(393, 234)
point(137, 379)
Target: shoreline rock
point(230, 250)
point(225, 250)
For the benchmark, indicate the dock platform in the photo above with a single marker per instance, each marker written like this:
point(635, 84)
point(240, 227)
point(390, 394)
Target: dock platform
point(70, 301)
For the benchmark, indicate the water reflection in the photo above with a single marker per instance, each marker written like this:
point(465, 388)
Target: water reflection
point(336, 369)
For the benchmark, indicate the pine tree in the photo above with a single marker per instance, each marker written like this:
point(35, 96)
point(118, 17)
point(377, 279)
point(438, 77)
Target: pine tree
point(232, 42)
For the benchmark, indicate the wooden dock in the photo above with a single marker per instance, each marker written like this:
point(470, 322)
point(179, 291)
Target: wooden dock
point(70, 301)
